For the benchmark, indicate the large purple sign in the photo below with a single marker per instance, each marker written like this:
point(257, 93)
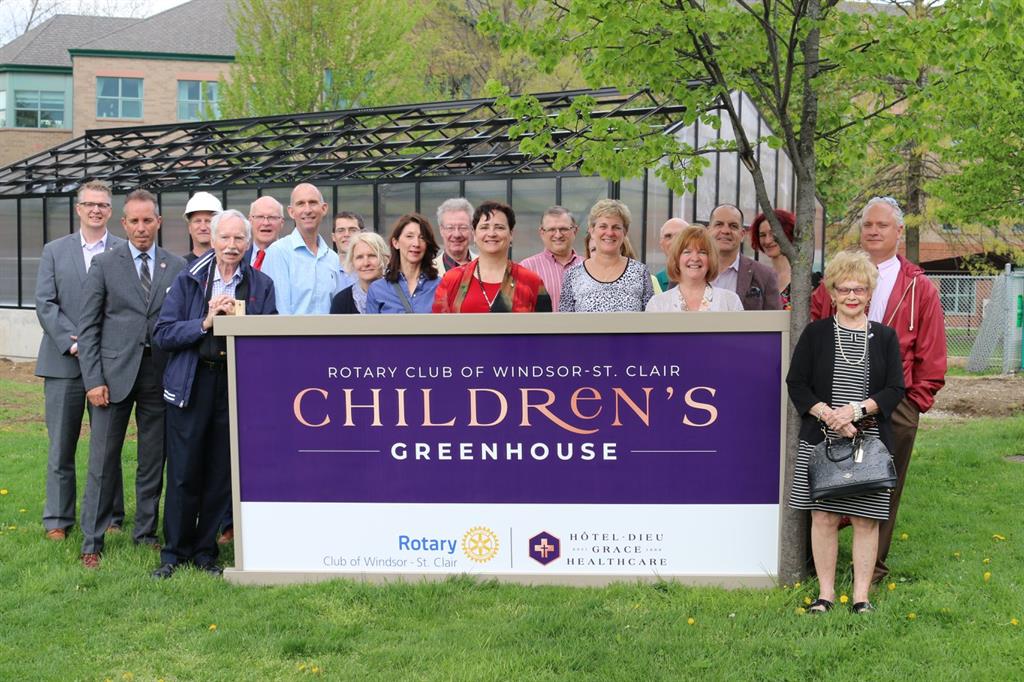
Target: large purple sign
point(570, 419)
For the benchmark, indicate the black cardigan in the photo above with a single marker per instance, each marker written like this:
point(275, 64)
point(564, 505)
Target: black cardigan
point(343, 302)
point(810, 375)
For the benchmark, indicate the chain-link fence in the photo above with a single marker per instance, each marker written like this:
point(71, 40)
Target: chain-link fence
point(982, 314)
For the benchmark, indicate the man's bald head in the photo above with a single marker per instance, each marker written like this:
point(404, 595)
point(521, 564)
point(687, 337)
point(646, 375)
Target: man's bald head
point(668, 232)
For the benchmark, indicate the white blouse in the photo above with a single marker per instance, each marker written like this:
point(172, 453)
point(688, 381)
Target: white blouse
point(722, 300)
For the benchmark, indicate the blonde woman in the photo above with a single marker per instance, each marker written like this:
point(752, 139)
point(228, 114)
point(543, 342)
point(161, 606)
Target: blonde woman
point(607, 280)
point(846, 375)
point(693, 263)
point(366, 260)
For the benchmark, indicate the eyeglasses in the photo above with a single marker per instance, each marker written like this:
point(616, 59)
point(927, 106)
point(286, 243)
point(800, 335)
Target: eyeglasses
point(94, 204)
point(845, 291)
point(456, 228)
point(557, 230)
point(265, 218)
point(347, 230)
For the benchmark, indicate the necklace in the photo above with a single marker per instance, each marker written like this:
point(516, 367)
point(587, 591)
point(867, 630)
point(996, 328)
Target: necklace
point(839, 340)
point(483, 290)
point(705, 302)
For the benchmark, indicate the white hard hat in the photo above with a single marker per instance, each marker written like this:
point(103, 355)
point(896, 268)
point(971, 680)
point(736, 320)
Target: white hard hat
point(202, 201)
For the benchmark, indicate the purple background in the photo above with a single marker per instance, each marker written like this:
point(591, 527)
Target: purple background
point(745, 368)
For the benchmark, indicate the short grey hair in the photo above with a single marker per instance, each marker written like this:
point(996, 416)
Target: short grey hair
point(460, 204)
point(560, 211)
point(218, 218)
point(375, 242)
point(278, 204)
point(897, 212)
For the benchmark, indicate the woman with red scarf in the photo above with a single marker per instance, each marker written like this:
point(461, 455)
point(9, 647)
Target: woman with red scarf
point(492, 283)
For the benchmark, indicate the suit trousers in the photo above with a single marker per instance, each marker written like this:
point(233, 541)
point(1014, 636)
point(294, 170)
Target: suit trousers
point(109, 425)
point(65, 406)
point(198, 470)
point(904, 419)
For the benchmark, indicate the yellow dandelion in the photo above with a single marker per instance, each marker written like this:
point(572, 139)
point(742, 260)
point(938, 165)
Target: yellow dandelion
point(796, 586)
point(956, 555)
point(904, 536)
point(690, 621)
point(911, 616)
point(1014, 621)
point(843, 599)
point(801, 609)
point(3, 491)
point(785, 587)
point(22, 511)
point(213, 626)
point(807, 600)
point(301, 666)
point(315, 670)
point(127, 676)
point(986, 561)
point(987, 576)
point(999, 538)
point(892, 586)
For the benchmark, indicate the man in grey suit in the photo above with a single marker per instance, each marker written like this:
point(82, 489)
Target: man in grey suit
point(756, 284)
point(122, 368)
point(62, 271)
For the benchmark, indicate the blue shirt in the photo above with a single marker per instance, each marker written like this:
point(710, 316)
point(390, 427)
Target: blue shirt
point(303, 281)
point(381, 297)
point(138, 261)
point(220, 286)
point(345, 280)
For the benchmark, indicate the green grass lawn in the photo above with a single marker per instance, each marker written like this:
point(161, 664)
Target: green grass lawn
point(951, 611)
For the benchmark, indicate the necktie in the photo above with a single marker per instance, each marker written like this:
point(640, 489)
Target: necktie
point(258, 263)
point(144, 274)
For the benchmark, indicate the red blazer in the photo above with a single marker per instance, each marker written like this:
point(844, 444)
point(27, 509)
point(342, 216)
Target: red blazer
point(522, 290)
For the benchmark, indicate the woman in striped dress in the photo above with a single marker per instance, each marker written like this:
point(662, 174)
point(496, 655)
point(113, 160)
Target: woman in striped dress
point(846, 374)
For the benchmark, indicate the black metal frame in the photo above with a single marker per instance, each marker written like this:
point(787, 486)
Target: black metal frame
point(467, 139)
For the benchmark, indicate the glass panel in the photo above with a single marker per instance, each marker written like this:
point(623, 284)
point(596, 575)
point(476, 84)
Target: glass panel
point(3, 108)
point(26, 99)
point(106, 87)
point(768, 169)
point(530, 198)
point(240, 199)
point(359, 199)
point(131, 88)
point(188, 111)
point(52, 100)
point(189, 90)
point(106, 108)
point(706, 184)
point(579, 194)
point(9, 252)
point(131, 108)
point(396, 199)
point(31, 247)
point(26, 119)
point(284, 195)
point(433, 194)
point(631, 192)
point(482, 190)
point(211, 91)
point(58, 217)
point(174, 230)
point(785, 183)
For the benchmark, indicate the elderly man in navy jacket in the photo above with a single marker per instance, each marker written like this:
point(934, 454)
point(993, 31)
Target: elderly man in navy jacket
point(196, 386)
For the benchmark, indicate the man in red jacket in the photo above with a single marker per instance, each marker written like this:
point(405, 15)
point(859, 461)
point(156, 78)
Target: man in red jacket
point(907, 301)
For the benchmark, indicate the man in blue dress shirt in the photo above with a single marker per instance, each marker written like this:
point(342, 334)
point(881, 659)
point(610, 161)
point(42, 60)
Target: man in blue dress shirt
point(303, 266)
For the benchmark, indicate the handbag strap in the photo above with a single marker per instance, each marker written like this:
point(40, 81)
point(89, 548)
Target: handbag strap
point(402, 297)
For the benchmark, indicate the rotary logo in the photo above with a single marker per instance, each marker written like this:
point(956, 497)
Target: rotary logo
point(480, 544)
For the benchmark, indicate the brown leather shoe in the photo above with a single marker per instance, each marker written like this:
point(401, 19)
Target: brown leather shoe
point(56, 534)
point(91, 561)
point(226, 537)
point(114, 529)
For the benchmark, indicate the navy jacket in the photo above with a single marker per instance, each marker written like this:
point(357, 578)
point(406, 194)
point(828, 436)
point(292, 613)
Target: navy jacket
point(179, 329)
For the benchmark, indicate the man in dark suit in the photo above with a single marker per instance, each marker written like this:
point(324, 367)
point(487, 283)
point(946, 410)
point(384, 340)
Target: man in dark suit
point(755, 283)
point(122, 369)
point(62, 272)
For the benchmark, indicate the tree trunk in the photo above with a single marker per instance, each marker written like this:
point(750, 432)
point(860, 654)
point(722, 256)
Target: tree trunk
point(915, 203)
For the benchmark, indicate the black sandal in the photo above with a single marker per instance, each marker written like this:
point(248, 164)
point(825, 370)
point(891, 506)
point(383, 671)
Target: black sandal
point(825, 605)
point(862, 607)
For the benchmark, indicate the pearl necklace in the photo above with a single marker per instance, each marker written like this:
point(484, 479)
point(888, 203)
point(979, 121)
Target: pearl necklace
point(839, 340)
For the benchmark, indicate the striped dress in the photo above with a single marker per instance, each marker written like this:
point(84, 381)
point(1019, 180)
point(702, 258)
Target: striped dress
point(847, 386)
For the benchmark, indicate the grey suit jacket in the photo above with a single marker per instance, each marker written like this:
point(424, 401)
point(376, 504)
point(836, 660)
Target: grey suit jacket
point(116, 321)
point(59, 286)
point(757, 285)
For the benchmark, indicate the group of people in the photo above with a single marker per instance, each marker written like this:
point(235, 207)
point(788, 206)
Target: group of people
point(128, 325)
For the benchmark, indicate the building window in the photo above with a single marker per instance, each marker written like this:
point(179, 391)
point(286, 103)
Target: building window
point(957, 296)
point(197, 100)
point(118, 97)
point(38, 109)
point(3, 108)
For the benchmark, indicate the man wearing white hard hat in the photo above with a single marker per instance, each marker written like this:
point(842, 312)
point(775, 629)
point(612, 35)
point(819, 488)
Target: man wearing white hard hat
point(199, 211)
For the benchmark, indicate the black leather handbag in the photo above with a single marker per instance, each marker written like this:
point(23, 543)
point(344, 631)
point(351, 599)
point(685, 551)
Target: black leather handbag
point(842, 467)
